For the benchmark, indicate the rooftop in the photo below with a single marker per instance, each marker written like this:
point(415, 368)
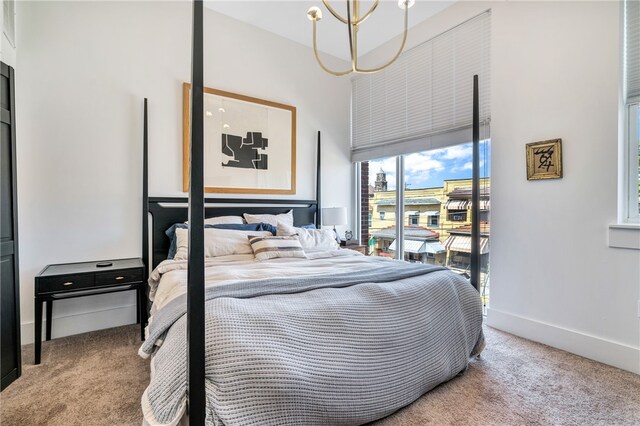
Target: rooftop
point(409, 201)
point(466, 229)
point(410, 232)
point(466, 192)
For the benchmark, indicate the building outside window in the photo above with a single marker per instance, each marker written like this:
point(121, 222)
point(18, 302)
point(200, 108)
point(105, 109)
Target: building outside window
point(414, 218)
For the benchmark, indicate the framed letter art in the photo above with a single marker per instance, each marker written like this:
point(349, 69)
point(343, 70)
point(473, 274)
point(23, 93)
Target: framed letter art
point(250, 144)
point(544, 160)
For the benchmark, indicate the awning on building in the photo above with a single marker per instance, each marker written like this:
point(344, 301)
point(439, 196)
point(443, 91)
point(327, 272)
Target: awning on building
point(457, 204)
point(463, 243)
point(454, 204)
point(412, 213)
point(416, 246)
point(432, 213)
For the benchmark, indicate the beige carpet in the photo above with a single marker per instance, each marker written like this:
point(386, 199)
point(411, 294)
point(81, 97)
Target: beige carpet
point(97, 379)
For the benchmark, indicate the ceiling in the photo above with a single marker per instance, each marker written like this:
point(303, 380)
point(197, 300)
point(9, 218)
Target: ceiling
point(289, 19)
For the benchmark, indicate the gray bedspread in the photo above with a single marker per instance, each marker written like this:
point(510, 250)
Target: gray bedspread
point(332, 350)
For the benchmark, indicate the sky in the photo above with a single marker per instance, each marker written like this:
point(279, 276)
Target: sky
point(429, 169)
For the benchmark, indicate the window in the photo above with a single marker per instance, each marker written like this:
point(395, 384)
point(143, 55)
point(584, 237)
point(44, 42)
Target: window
point(410, 132)
point(457, 216)
point(633, 163)
point(631, 181)
point(437, 184)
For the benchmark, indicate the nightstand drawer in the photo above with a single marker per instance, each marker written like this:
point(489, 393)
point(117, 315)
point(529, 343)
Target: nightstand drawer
point(118, 277)
point(64, 283)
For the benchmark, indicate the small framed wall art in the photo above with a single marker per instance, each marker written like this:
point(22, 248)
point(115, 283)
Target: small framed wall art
point(544, 159)
point(250, 144)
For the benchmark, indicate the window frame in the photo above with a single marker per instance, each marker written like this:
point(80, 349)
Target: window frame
point(631, 178)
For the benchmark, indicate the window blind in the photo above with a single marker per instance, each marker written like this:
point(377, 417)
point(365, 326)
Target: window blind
point(9, 20)
point(632, 48)
point(425, 99)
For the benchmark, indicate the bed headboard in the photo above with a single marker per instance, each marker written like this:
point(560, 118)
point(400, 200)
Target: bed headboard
point(165, 211)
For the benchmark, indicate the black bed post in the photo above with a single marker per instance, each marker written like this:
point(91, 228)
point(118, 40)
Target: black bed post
point(318, 186)
point(195, 274)
point(145, 193)
point(475, 192)
point(142, 297)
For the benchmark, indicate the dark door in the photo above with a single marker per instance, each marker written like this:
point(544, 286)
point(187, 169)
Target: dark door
point(10, 361)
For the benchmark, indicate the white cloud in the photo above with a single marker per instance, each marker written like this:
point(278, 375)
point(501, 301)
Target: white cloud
point(456, 152)
point(466, 166)
point(422, 163)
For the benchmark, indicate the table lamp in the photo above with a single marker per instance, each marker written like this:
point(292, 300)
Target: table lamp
point(333, 216)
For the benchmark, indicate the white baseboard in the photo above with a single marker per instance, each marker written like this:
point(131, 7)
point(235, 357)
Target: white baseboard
point(595, 348)
point(81, 323)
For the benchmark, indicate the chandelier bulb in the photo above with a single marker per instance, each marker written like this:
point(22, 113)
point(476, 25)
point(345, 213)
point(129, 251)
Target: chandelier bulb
point(314, 13)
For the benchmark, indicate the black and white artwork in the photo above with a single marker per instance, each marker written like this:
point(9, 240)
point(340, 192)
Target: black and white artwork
point(246, 153)
point(249, 144)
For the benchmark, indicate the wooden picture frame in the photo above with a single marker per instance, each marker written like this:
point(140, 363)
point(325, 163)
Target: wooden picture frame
point(250, 144)
point(544, 159)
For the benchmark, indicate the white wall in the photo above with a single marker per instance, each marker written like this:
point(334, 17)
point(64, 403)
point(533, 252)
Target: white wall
point(556, 74)
point(84, 70)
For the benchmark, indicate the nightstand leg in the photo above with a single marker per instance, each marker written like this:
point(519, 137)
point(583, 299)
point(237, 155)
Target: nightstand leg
point(142, 310)
point(138, 306)
point(49, 318)
point(38, 331)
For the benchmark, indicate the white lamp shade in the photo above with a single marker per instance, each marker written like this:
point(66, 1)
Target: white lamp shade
point(332, 216)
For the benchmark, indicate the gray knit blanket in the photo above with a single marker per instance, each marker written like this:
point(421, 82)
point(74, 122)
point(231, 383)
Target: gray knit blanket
point(325, 350)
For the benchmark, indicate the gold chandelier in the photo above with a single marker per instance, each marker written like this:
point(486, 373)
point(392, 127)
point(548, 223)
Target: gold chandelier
point(353, 21)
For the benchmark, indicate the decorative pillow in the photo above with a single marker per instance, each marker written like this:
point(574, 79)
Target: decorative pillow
point(222, 220)
point(171, 231)
point(272, 247)
point(217, 242)
point(273, 219)
point(311, 239)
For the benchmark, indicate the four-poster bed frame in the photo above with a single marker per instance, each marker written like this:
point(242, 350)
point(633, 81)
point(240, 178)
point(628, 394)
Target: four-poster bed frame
point(166, 210)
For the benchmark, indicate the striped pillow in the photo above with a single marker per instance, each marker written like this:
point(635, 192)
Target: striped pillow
point(265, 247)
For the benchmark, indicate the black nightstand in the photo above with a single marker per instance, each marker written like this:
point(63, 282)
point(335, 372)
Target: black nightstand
point(68, 280)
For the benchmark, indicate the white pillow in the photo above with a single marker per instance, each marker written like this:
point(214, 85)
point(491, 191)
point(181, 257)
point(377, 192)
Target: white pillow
point(221, 220)
point(271, 247)
point(271, 219)
point(217, 242)
point(311, 239)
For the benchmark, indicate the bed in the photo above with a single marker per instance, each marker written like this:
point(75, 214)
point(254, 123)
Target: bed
point(333, 338)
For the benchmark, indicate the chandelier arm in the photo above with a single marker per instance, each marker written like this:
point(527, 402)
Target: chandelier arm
point(366, 15)
point(315, 51)
point(333, 12)
point(404, 40)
